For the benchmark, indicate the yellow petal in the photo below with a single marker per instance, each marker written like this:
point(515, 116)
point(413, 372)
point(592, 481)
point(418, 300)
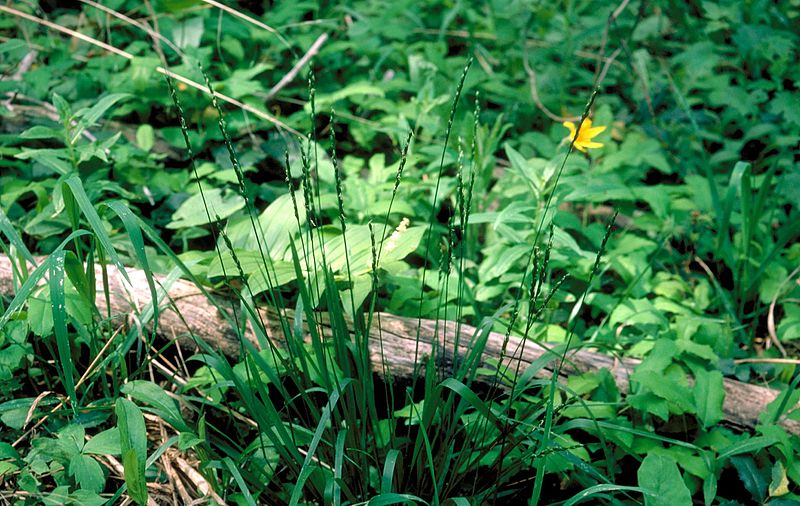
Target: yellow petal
point(571, 126)
point(591, 144)
point(593, 132)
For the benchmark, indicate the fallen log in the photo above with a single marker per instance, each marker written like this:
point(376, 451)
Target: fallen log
point(393, 340)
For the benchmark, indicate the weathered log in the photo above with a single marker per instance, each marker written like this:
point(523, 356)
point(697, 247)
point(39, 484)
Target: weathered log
point(187, 314)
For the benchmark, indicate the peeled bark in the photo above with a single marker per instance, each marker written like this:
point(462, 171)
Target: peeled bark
point(398, 346)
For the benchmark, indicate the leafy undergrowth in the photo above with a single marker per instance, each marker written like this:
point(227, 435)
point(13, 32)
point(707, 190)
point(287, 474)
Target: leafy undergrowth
point(621, 178)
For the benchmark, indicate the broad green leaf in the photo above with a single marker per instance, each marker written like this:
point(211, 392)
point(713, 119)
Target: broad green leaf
point(648, 402)
point(637, 312)
point(192, 213)
point(88, 473)
point(679, 396)
point(58, 497)
point(709, 394)
point(87, 498)
point(750, 445)
point(88, 117)
point(104, 443)
point(12, 45)
point(607, 189)
point(153, 395)
point(174, 6)
point(133, 443)
point(14, 413)
point(62, 107)
point(278, 225)
point(753, 479)
point(53, 159)
point(145, 136)
point(603, 489)
point(355, 89)
point(280, 273)
point(40, 312)
point(709, 489)
point(400, 244)
point(41, 132)
point(134, 477)
point(7, 468)
point(780, 482)
point(70, 439)
point(532, 175)
point(8, 452)
point(187, 33)
point(132, 431)
point(660, 475)
point(785, 102)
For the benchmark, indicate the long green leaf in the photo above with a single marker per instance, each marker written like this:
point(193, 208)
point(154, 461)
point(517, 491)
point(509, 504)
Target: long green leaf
point(60, 325)
point(307, 468)
point(602, 489)
point(239, 481)
point(33, 279)
point(133, 443)
point(95, 222)
point(13, 237)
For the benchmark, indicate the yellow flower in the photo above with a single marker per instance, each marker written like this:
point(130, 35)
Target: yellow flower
point(585, 136)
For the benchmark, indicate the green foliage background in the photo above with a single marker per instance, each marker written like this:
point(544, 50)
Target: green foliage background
point(698, 279)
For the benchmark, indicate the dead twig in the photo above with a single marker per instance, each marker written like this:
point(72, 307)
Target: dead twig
point(601, 69)
point(138, 24)
point(286, 79)
point(773, 334)
point(199, 481)
point(249, 19)
point(534, 87)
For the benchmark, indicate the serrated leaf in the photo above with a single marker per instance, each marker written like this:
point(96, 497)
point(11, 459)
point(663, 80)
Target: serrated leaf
point(676, 394)
point(87, 498)
point(785, 102)
point(88, 473)
point(780, 482)
point(750, 476)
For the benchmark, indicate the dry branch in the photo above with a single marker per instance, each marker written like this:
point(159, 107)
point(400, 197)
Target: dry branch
point(393, 343)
